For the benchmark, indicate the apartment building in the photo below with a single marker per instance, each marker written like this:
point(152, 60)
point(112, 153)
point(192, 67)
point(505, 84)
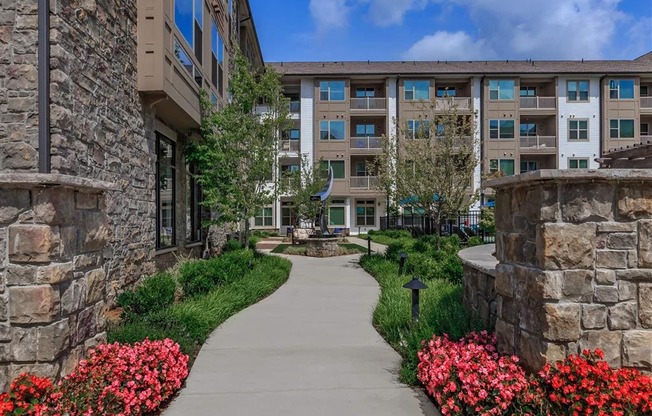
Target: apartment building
point(530, 115)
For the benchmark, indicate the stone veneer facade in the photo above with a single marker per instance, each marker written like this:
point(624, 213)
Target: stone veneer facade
point(575, 265)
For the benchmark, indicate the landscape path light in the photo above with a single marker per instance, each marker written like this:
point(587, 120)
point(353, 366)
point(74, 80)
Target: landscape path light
point(415, 285)
point(401, 263)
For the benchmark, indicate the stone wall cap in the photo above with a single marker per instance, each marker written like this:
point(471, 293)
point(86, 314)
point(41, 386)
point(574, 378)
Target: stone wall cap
point(575, 175)
point(33, 180)
point(480, 258)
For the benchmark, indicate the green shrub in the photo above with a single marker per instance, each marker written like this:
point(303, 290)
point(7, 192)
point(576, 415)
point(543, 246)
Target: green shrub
point(253, 240)
point(475, 241)
point(195, 278)
point(395, 248)
point(155, 293)
point(232, 245)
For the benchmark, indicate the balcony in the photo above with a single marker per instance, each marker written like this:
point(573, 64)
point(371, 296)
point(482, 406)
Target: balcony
point(368, 104)
point(290, 145)
point(364, 182)
point(646, 103)
point(538, 144)
point(459, 103)
point(366, 143)
point(538, 103)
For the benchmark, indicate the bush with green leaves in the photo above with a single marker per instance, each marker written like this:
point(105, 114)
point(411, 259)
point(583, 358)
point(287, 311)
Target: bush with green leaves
point(232, 244)
point(155, 293)
point(475, 241)
point(198, 277)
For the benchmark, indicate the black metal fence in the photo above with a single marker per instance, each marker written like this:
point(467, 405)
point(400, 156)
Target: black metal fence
point(465, 225)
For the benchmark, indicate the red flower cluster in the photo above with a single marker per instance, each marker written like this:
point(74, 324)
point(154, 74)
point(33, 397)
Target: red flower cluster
point(116, 379)
point(588, 386)
point(469, 377)
point(28, 395)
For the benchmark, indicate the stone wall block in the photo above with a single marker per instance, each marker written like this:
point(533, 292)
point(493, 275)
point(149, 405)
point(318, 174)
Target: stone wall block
point(73, 296)
point(622, 316)
point(4, 241)
point(86, 326)
point(545, 285)
point(5, 332)
point(578, 285)
point(12, 203)
point(632, 259)
point(605, 277)
point(71, 359)
point(85, 201)
point(566, 246)
point(505, 337)
point(85, 262)
point(55, 273)
point(605, 294)
point(582, 202)
point(616, 227)
point(505, 280)
point(645, 305)
point(637, 349)
point(53, 340)
point(608, 341)
point(563, 321)
point(96, 280)
point(33, 304)
point(19, 155)
point(594, 316)
point(645, 243)
point(634, 202)
point(642, 275)
point(21, 275)
point(33, 244)
point(621, 241)
point(94, 231)
point(503, 212)
point(54, 206)
point(98, 339)
point(611, 259)
point(24, 343)
point(49, 370)
point(532, 351)
point(626, 290)
point(4, 307)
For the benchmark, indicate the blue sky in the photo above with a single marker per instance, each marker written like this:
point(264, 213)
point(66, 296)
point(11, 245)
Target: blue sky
point(336, 30)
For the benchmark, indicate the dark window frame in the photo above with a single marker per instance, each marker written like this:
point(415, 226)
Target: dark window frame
point(162, 138)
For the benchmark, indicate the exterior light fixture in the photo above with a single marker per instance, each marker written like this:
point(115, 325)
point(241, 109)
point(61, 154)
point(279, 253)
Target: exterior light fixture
point(415, 285)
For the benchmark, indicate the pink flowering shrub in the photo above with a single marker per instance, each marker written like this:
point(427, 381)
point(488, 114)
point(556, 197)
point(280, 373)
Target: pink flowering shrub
point(124, 379)
point(469, 377)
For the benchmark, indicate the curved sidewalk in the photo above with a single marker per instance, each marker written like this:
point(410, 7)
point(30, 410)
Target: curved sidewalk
point(308, 349)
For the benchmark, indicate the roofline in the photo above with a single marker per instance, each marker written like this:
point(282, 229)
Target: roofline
point(253, 25)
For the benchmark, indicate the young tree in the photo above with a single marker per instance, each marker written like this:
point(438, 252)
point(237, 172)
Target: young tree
point(239, 148)
point(430, 163)
point(300, 186)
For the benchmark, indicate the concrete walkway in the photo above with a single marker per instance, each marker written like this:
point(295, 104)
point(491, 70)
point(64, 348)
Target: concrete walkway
point(308, 349)
point(375, 247)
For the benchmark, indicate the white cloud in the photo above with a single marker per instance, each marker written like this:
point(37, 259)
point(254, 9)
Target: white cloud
point(391, 12)
point(538, 29)
point(448, 46)
point(329, 14)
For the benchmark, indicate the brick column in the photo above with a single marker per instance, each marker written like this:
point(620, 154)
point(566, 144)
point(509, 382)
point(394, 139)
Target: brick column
point(575, 265)
point(53, 230)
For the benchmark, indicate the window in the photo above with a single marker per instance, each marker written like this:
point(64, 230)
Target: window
point(337, 165)
point(578, 130)
point(417, 90)
point(361, 169)
point(213, 99)
point(189, 19)
point(528, 166)
point(645, 129)
point(193, 205)
point(187, 63)
point(264, 218)
point(502, 165)
point(336, 215)
point(446, 92)
point(365, 130)
point(528, 92)
point(528, 130)
point(501, 129)
point(331, 90)
point(577, 90)
point(644, 91)
point(418, 129)
point(365, 92)
point(578, 163)
point(331, 130)
point(165, 192)
point(217, 58)
point(365, 213)
point(501, 89)
point(621, 129)
point(288, 213)
point(621, 89)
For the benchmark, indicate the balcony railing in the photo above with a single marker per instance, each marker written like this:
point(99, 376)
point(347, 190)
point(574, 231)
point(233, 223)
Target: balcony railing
point(290, 145)
point(538, 103)
point(460, 103)
point(538, 142)
point(295, 107)
point(646, 102)
point(366, 143)
point(368, 103)
point(364, 182)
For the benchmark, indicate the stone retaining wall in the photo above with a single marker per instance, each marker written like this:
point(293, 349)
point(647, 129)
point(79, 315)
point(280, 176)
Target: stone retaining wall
point(575, 272)
point(52, 291)
point(479, 276)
